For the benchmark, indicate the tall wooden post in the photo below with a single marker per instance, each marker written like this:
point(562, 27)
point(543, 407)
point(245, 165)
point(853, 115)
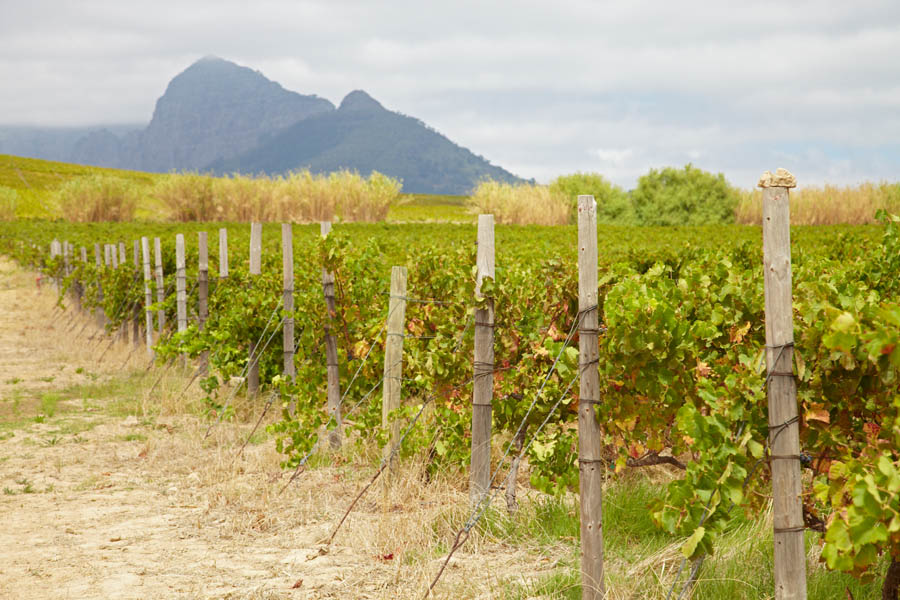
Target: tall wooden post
point(590, 462)
point(202, 292)
point(148, 296)
point(784, 428)
point(331, 352)
point(121, 253)
point(136, 317)
point(393, 356)
point(255, 269)
point(160, 287)
point(223, 253)
point(483, 369)
point(55, 250)
point(98, 312)
point(180, 287)
point(287, 264)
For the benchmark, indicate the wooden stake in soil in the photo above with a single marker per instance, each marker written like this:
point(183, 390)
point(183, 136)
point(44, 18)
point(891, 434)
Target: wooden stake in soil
point(148, 296)
point(98, 311)
point(483, 386)
point(590, 462)
point(223, 253)
point(287, 264)
point(160, 288)
point(393, 357)
point(784, 427)
point(255, 269)
point(180, 286)
point(136, 317)
point(331, 353)
point(202, 292)
point(55, 250)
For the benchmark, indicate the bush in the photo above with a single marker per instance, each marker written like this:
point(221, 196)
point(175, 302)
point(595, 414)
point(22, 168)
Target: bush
point(97, 198)
point(186, 197)
point(688, 196)
point(613, 204)
point(522, 204)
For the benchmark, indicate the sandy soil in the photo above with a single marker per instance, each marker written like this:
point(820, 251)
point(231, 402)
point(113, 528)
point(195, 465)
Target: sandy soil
point(118, 496)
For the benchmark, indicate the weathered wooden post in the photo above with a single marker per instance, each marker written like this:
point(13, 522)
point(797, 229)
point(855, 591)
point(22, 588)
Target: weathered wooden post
point(331, 352)
point(121, 253)
point(160, 287)
point(180, 287)
point(148, 296)
point(255, 269)
point(136, 316)
point(65, 254)
point(784, 426)
point(99, 314)
point(483, 368)
point(55, 250)
point(590, 462)
point(223, 253)
point(202, 292)
point(393, 357)
point(287, 263)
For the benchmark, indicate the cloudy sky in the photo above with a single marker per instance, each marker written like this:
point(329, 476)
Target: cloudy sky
point(540, 88)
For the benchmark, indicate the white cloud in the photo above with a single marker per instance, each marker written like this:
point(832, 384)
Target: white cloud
point(538, 88)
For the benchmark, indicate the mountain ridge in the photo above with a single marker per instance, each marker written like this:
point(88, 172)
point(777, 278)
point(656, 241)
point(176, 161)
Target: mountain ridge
point(219, 116)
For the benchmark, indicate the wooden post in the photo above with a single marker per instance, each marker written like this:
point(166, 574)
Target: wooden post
point(114, 257)
point(223, 253)
point(55, 250)
point(107, 255)
point(80, 291)
point(180, 287)
point(331, 353)
point(148, 296)
point(160, 287)
point(121, 253)
point(255, 269)
point(393, 356)
point(590, 461)
point(483, 369)
point(136, 316)
point(784, 428)
point(98, 312)
point(202, 291)
point(287, 263)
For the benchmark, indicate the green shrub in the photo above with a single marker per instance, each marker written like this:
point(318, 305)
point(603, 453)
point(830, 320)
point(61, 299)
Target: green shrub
point(613, 204)
point(688, 196)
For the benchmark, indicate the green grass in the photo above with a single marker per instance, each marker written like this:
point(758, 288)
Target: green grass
point(641, 559)
point(34, 183)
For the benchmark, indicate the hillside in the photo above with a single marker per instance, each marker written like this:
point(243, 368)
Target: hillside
point(363, 136)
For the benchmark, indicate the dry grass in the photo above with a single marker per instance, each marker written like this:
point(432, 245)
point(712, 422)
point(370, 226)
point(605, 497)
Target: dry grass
point(521, 204)
point(186, 197)
point(97, 198)
point(299, 197)
point(827, 205)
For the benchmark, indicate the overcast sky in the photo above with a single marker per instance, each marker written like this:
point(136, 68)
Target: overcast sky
point(540, 88)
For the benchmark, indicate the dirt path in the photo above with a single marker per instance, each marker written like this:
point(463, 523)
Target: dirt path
point(107, 493)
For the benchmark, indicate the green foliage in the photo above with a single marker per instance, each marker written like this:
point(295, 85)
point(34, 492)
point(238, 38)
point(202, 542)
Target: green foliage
point(613, 203)
point(688, 196)
point(681, 357)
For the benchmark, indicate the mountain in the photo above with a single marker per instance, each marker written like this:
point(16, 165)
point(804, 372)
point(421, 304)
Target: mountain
point(216, 109)
point(363, 136)
point(222, 117)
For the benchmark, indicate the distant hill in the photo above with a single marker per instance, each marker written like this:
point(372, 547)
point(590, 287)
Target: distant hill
point(219, 116)
point(363, 136)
